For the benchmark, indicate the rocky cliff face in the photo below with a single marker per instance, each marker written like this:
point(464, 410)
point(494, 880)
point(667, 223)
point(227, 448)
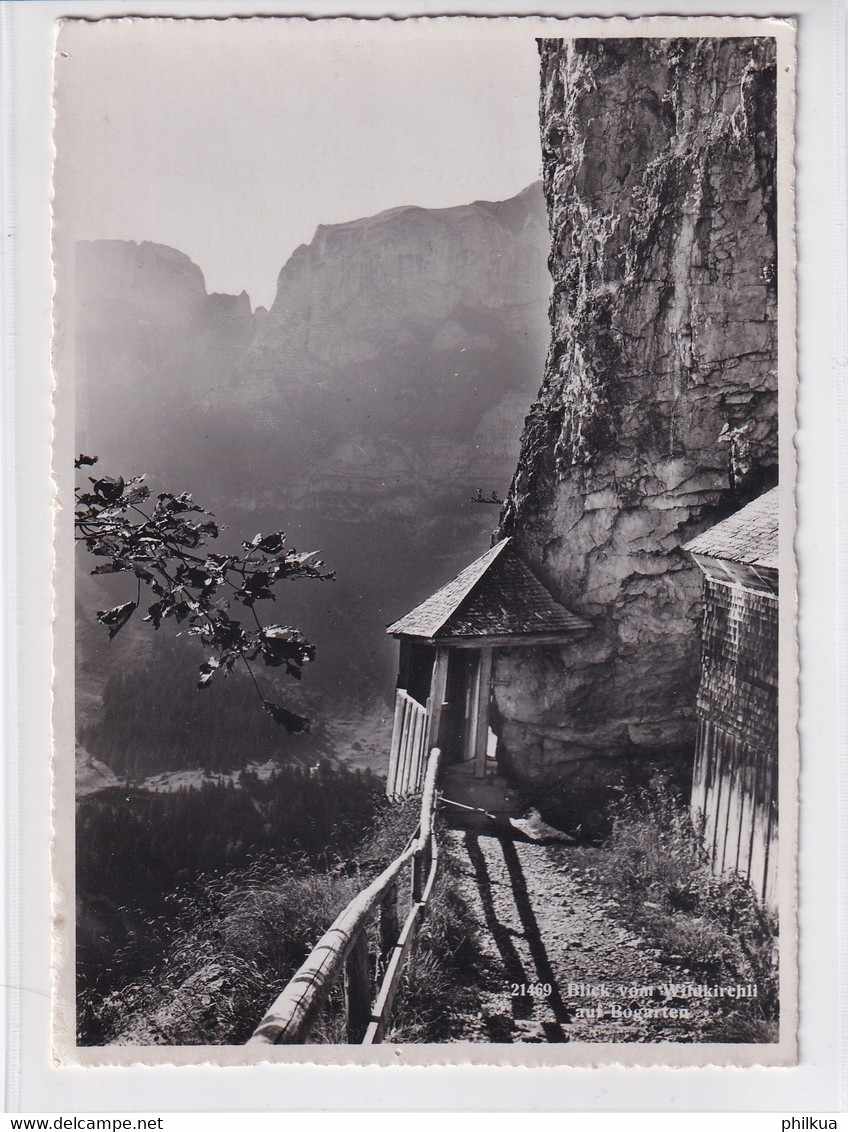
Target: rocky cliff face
point(408, 274)
point(658, 411)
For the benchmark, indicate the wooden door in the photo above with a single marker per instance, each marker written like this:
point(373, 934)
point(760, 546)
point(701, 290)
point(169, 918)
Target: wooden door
point(459, 692)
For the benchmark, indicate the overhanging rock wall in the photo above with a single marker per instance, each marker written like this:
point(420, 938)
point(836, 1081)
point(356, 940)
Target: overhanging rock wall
point(658, 412)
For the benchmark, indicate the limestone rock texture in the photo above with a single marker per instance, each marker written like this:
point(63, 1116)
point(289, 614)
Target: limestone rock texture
point(657, 415)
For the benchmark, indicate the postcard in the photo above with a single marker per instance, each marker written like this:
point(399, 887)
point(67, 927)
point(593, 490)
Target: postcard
point(425, 403)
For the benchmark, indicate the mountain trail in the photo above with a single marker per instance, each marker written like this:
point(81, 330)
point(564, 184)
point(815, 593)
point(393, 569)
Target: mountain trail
point(553, 964)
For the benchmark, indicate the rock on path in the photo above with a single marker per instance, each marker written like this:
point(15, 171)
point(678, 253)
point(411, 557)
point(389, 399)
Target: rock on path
point(551, 952)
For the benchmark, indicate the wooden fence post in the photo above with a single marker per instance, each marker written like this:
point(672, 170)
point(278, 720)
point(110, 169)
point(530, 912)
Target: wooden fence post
point(344, 946)
point(420, 871)
point(357, 989)
point(438, 685)
point(389, 928)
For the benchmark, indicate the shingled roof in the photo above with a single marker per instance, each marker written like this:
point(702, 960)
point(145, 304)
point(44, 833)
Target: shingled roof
point(496, 596)
point(750, 537)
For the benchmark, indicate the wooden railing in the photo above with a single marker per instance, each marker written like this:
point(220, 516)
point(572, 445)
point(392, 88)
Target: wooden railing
point(344, 947)
point(406, 756)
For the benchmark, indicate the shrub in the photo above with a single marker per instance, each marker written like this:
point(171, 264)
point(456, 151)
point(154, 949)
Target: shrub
point(655, 862)
point(233, 943)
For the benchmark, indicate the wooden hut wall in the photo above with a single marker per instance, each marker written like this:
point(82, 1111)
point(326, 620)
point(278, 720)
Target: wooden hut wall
point(735, 778)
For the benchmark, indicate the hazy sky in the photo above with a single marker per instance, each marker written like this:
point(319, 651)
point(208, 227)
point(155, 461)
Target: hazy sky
point(232, 140)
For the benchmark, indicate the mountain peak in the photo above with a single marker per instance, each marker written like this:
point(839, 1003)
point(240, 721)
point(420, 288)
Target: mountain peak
point(530, 197)
point(431, 256)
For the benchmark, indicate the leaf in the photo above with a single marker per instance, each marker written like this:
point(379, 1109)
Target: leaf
point(82, 459)
point(194, 576)
point(107, 489)
point(294, 724)
point(255, 587)
point(283, 633)
point(138, 493)
point(175, 504)
point(116, 618)
point(281, 645)
point(155, 613)
point(181, 610)
point(95, 547)
point(225, 633)
point(270, 544)
point(311, 558)
point(113, 567)
point(207, 671)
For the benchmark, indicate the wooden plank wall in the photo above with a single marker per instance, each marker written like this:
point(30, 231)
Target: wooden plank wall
point(736, 760)
point(739, 663)
point(735, 789)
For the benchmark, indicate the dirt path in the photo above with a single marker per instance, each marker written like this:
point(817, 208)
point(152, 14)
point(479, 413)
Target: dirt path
point(554, 963)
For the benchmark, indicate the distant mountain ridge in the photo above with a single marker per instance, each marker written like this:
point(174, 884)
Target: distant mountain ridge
point(388, 381)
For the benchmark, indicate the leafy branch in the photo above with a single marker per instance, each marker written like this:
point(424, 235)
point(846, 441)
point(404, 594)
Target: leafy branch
point(161, 541)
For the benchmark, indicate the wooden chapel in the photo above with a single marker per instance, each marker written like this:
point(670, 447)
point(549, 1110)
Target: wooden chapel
point(447, 648)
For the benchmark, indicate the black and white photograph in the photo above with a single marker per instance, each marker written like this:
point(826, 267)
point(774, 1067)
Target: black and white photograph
point(425, 402)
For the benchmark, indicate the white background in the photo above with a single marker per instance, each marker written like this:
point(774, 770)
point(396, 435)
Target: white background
point(33, 1083)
